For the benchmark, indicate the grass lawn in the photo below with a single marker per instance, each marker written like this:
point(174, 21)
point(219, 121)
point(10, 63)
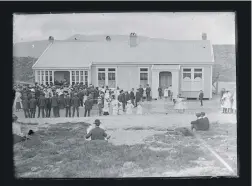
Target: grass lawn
point(64, 153)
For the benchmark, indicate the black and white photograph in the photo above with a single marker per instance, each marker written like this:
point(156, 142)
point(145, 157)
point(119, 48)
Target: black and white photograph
point(118, 95)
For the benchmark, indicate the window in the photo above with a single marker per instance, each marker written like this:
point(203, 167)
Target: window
point(101, 77)
point(81, 76)
point(187, 74)
point(42, 78)
point(73, 76)
point(77, 76)
point(197, 74)
point(111, 78)
point(46, 76)
point(86, 78)
point(38, 77)
point(144, 73)
point(50, 73)
point(192, 79)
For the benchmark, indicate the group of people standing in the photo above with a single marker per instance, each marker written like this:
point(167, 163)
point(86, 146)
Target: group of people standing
point(44, 99)
point(228, 101)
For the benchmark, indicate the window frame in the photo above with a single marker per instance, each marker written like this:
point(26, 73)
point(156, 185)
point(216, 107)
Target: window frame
point(106, 74)
point(192, 80)
point(148, 74)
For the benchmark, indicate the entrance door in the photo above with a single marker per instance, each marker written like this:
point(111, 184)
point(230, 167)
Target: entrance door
point(165, 79)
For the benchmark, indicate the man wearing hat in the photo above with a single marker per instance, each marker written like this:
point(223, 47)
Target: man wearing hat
point(202, 122)
point(88, 106)
point(97, 133)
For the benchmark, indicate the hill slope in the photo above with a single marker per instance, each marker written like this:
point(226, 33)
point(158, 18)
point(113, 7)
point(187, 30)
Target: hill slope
point(22, 68)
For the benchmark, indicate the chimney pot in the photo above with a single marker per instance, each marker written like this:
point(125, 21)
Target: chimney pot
point(108, 38)
point(204, 36)
point(133, 39)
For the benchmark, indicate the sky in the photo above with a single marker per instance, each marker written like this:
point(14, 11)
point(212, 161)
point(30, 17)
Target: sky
point(219, 26)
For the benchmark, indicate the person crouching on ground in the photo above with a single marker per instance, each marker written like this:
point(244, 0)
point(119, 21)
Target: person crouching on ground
point(129, 107)
point(202, 122)
point(88, 106)
point(97, 133)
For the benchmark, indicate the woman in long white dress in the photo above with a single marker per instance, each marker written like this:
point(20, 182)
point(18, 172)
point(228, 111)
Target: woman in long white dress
point(139, 109)
point(166, 95)
point(114, 104)
point(180, 104)
point(18, 101)
point(106, 107)
point(226, 102)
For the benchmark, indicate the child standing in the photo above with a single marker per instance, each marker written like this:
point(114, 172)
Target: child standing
point(120, 108)
point(129, 107)
point(139, 109)
point(106, 107)
point(201, 96)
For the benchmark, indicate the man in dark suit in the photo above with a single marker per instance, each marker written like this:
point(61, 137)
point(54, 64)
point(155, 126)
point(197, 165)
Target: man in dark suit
point(33, 104)
point(41, 105)
point(68, 105)
point(132, 96)
point(55, 104)
point(81, 96)
point(148, 91)
point(88, 106)
point(48, 105)
point(202, 122)
point(97, 133)
point(25, 103)
point(75, 104)
point(141, 90)
point(138, 97)
point(121, 98)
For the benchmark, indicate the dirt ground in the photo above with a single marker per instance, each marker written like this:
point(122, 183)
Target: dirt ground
point(139, 146)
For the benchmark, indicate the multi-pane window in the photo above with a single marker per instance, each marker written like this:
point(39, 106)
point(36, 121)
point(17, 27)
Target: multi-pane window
point(112, 78)
point(101, 77)
point(187, 74)
point(86, 78)
point(81, 76)
point(192, 79)
point(144, 76)
point(73, 76)
point(46, 77)
point(42, 78)
point(77, 76)
point(50, 75)
point(198, 73)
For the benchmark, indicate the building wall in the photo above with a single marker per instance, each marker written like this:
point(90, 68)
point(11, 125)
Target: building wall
point(207, 87)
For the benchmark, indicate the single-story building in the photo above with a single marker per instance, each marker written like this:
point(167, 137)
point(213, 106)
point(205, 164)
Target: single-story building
point(184, 64)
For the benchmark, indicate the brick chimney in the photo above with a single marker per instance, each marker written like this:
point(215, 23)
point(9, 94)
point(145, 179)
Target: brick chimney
point(133, 40)
point(204, 36)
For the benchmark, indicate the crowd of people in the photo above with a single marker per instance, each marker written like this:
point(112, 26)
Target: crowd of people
point(48, 100)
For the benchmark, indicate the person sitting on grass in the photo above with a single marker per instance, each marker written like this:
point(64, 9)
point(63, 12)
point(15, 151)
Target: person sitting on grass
point(202, 122)
point(97, 133)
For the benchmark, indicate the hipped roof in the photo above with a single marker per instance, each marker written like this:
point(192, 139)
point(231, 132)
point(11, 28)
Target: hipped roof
point(73, 54)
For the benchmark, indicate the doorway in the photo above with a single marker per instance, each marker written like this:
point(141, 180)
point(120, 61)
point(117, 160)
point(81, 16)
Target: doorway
point(165, 79)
